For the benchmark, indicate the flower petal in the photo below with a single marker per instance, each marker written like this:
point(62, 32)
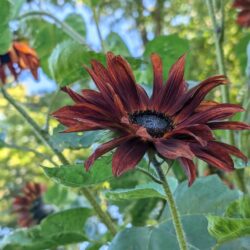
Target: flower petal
point(198, 93)
point(104, 148)
point(128, 155)
point(175, 85)
point(229, 125)
point(189, 168)
point(173, 148)
point(158, 76)
point(75, 96)
point(216, 156)
point(218, 112)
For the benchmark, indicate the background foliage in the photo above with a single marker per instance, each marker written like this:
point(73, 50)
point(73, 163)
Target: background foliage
point(65, 36)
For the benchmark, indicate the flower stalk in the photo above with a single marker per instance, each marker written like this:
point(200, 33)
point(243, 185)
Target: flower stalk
point(44, 137)
point(218, 39)
point(172, 206)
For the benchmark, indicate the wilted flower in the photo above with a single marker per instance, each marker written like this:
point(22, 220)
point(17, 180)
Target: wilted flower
point(29, 206)
point(243, 18)
point(19, 57)
point(174, 122)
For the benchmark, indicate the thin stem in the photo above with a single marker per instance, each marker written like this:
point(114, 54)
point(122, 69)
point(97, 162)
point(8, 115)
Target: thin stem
point(149, 175)
point(65, 27)
point(44, 138)
point(54, 97)
point(172, 206)
point(96, 20)
point(219, 39)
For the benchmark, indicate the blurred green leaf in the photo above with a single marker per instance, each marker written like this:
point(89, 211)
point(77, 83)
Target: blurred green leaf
point(17, 5)
point(5, 12)
point(148, 190)
point(57, 229)
point(114, 43)
point(5, 33)
point(77, 22)
point(77, 176)
point(67, 60)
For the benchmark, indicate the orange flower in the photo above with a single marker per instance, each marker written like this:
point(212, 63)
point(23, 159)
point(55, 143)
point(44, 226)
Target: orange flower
point(174, 122)
point(19, 57)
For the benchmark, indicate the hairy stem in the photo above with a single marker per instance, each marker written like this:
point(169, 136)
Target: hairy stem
point(172, 206)
point(149, 175)
point(219, 39)
point(44, 137)
point(65, 27)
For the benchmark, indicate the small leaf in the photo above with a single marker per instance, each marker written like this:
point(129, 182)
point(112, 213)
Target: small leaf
point(148, 190)
point(77, 176)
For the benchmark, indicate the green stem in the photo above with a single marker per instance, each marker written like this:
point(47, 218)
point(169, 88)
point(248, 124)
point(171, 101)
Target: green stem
point(44, 138)
point(96, 19)
point(149, 175)
point(65, 27)
point(172, 206)
point(219, 39)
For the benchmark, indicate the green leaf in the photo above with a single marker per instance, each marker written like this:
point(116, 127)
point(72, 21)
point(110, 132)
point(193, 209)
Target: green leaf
point(73, 140)
point(57, 229)
point(16, 7)
point(5, 41)
point(170, 48)
point(5, 33)
point(43, 37)
point(208, 195)
point(114, 43)
point(163, 236)
point(67, 60)
point(5, 12)
point(77, 22)
point(148, 190)
point(234, 224)
point(77, 176)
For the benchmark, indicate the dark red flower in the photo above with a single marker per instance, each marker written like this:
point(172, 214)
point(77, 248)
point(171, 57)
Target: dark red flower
point(243, 18)
point(177, 123)
point(29, 206)
point(19, 57)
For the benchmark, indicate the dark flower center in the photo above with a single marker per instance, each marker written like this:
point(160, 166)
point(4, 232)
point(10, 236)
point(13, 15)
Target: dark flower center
point(5, 58)
point(157, 124)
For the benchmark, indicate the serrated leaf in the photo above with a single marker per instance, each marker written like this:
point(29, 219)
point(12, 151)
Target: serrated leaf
point(57, 229)
point(77, 176)
point(148, 190)
point(234, 224)
point(67, 60)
